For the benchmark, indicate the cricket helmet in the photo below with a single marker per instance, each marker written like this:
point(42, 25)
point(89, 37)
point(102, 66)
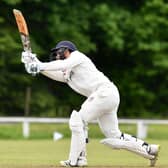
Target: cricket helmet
point(65, 44)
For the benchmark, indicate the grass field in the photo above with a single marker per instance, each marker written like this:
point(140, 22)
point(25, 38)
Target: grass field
point(40, 151)
point(48, 153)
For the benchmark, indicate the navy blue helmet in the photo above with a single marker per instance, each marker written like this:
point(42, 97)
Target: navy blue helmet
point(65, 44)
point(58, 52)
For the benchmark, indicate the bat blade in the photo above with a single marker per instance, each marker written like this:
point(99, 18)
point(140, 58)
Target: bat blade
point(23, 29)
point(22, 26)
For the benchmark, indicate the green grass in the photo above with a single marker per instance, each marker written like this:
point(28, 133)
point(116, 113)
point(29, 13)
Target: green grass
point(40, 151)
point(45, 131)
point(48, 153)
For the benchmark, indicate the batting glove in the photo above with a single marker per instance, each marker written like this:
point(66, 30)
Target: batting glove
point(27, 57)
point(32, 68)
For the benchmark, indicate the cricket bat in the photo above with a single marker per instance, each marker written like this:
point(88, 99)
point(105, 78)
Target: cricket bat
point(23, 29)
point(24, 33)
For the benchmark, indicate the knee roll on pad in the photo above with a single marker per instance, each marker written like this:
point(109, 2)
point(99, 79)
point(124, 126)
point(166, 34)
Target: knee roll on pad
point(75, 122)
point(128, 137)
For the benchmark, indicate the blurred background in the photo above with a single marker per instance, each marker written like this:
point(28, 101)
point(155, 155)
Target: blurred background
point(127, 40)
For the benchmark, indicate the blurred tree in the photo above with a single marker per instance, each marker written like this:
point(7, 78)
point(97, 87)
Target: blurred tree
point(126, 39)
point(132, 49)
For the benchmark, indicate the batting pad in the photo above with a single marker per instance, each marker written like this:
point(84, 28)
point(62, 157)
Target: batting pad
point(127, 145)
point(77, 138)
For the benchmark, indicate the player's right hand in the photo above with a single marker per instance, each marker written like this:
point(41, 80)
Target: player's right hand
point(27, 57)
point(32, 68)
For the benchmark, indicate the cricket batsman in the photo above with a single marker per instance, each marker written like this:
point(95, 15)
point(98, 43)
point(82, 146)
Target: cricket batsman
point(71, 66)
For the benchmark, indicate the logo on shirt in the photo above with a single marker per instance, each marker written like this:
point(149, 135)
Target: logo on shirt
point(68, 74)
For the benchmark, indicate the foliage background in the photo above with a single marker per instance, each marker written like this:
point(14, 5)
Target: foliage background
point(127, 40)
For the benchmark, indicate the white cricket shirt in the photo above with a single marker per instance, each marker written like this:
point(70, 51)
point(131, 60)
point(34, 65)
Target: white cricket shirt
point(78, 71)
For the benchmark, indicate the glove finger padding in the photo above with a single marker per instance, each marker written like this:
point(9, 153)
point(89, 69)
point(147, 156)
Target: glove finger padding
point(32, 68)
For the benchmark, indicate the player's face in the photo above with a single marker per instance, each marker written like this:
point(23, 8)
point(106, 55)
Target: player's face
point(60, 53)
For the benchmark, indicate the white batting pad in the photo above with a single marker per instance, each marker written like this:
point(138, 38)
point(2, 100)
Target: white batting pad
point(131, 146)
point(77, 138)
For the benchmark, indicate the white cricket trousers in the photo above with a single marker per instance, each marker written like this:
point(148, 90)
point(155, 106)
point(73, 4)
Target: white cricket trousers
point(103, 105)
